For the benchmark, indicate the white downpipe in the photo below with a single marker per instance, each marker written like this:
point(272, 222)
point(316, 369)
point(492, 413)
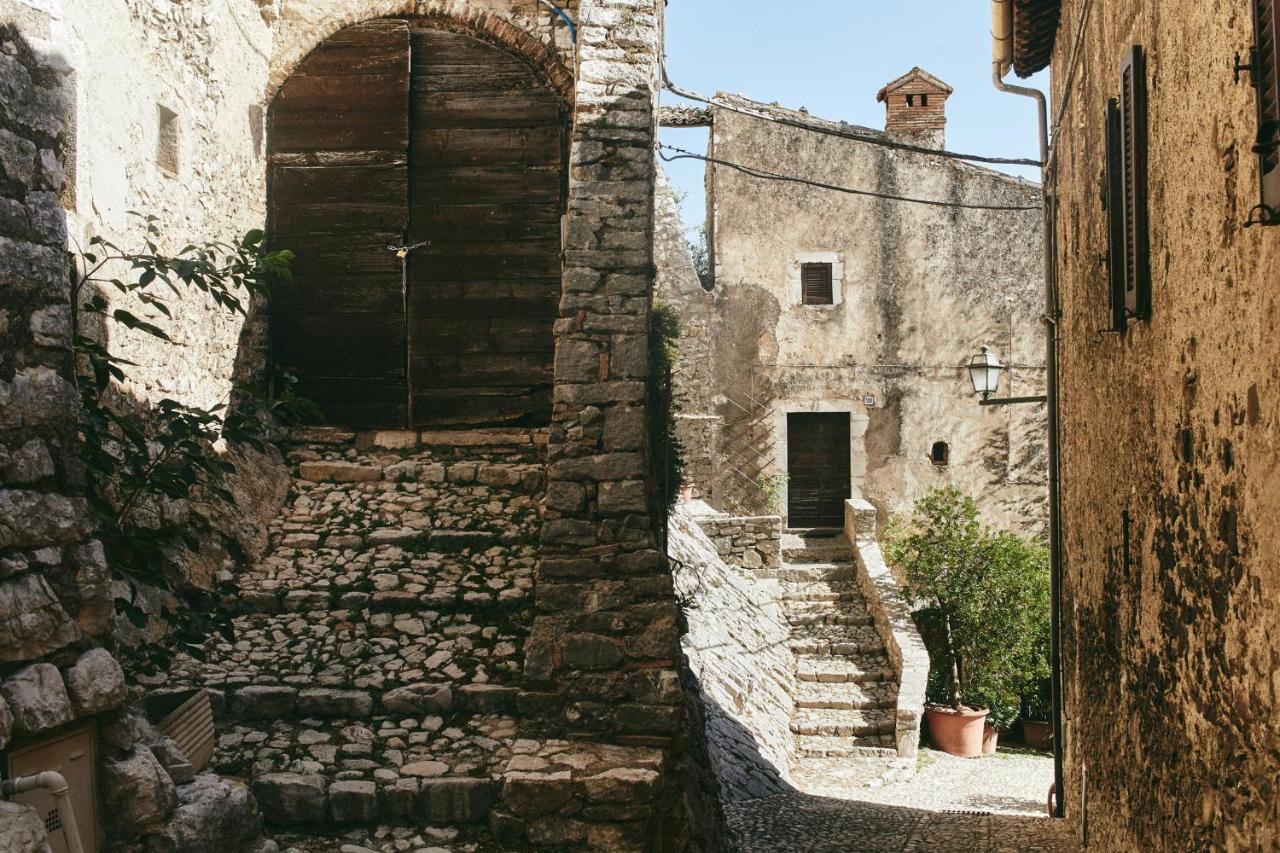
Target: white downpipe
point(1002, 36)
point(56, 785)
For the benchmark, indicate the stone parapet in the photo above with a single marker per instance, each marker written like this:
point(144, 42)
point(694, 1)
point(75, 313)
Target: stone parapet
point(738, 652)
point(892, 619)
point(751, 542)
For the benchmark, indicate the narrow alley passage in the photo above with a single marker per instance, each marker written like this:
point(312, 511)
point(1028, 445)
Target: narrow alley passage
point(803, 823)
point(989, 805)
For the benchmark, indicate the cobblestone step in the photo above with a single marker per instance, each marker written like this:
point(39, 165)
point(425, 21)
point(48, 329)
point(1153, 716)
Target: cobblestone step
point(819, 616)
point(830, 591)
point(840, 640)
point(802, 548)
point(827, 722)
point(390, 578)
point(825, 746)
point(835, 670)
point(816, 572)
point(847, 696)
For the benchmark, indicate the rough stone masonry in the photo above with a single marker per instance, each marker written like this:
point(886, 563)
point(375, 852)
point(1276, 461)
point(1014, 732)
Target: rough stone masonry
point(562, 718)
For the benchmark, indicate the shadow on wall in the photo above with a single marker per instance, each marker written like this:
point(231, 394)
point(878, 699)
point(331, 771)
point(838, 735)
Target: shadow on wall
point(741, 769)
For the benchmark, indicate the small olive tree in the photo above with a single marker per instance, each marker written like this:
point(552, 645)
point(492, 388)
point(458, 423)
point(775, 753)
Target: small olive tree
point(982, 599)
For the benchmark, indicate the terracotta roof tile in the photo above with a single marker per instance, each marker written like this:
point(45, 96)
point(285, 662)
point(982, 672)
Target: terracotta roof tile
point(1035, 27)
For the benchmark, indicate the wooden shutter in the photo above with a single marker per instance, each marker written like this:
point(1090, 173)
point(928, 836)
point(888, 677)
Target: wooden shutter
point(1266, 80)
point(487, 184)
point(1115, 217)
point(1133, 165)
point(339, 138)
point(815, 284)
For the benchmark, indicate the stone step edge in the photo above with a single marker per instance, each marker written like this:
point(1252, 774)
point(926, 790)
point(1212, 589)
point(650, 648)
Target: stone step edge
point(527, 475)
point(259, 602)
point(883, 748)
point(272, 702)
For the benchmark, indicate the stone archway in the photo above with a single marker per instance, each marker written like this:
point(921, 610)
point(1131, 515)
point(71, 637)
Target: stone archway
point(397, 132)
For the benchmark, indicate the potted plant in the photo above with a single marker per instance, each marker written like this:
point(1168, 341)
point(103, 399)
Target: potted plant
point(1037, 729)
point(979, 597)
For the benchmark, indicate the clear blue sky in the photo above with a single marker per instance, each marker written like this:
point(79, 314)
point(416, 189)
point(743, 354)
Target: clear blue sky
point(832, 56)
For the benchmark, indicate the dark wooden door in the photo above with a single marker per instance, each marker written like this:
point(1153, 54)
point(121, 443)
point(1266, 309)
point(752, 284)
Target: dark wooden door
point(486, 177)
point(393, 134)
point(817, 468)
point(339, 140)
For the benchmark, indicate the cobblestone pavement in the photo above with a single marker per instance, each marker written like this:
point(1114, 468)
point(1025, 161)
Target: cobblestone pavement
point(989, 805)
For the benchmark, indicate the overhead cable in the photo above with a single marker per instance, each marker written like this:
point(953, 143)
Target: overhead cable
point(682, 154)
point(843, 133)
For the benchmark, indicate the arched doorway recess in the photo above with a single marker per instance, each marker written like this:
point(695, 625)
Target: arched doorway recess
point(395, 133)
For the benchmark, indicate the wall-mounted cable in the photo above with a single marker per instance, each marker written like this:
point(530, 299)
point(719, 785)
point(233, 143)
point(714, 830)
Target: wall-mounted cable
point(564, 16)
point(682, 154)
point(840, 132)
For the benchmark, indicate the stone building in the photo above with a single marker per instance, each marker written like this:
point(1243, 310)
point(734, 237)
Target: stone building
point(1169, 406)
point(825, 357)
point(451, 613)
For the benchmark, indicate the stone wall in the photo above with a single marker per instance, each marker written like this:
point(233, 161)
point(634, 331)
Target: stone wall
point(169, 103)
point(738, 649)
point(893, 621)
point(917, 291)
point(1170, 441)
point(753, 543)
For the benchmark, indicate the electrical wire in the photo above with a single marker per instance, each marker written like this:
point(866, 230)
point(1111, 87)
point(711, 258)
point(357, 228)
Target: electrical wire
point(573, 30)
point(1068, 85)
point(842, 133)
point(682, 154)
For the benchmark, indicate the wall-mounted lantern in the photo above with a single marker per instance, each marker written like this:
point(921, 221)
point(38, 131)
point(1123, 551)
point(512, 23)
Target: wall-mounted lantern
point(984, 372)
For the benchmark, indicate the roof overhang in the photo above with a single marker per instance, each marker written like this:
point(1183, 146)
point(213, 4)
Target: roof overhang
point(1035, 29)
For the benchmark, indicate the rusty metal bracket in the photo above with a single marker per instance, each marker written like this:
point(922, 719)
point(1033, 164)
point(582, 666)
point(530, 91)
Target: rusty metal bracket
point(1262, 215)
point(1250, 67)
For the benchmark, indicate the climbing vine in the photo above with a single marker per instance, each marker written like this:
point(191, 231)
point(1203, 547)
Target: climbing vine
point(143, 463)
point(664, 445)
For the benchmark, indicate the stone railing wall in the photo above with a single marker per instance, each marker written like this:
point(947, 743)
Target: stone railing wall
point(737, 648)
point(752, 542)
point(893, 622)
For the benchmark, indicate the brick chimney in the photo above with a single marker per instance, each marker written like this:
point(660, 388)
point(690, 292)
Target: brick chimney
point(916, 108)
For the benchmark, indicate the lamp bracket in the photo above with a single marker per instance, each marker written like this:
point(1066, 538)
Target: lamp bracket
point(1013, 401)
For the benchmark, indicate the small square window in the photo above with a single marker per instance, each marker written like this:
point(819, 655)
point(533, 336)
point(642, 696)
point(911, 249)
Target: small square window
point(815, 284)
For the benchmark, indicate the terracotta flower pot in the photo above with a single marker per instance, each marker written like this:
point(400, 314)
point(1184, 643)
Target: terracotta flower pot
point(956, 732)
point(1037, 735)
point(990, 735)
point(686, 492)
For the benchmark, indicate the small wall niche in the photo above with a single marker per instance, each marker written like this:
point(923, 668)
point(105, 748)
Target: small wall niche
point(940, 454)
point(167, 141)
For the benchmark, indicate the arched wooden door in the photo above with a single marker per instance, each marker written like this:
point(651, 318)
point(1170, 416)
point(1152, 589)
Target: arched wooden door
point(393, 134)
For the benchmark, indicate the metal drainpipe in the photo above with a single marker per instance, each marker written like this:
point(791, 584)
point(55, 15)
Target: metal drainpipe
point(1051, 317)
point(56, 785)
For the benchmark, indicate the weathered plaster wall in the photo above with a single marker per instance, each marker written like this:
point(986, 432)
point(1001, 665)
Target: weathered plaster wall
point(920, 289)
point(205, 63)
point(1171, 647)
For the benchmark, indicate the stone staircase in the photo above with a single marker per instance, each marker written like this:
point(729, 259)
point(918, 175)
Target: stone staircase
point(374, 669)
point(846, 688)
point(371, 690)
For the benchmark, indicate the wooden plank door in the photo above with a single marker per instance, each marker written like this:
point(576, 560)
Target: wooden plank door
point(338, 195)
point(818, 480)
point(487, 175)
